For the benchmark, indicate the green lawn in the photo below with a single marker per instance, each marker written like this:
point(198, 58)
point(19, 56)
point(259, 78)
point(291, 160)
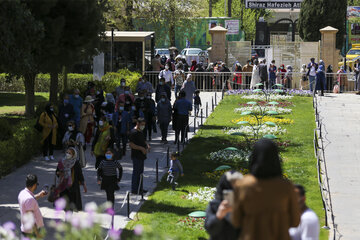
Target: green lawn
point(165, 207)
point(14, 103)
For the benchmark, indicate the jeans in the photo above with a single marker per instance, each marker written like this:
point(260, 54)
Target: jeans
point(48, 147)
point(312, 82)
point(148, 127)
point(177, 89)
point(272, 82)
point(164, 126)
point(181, 124)
point(138, 169)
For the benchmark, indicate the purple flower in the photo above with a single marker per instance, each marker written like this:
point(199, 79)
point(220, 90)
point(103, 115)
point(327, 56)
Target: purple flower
point(60, 204)
point(91, 207)
point(75, 222)
point(114, 234)
point(138, 230)
point(25, 238)
point(9, 226)
point(110, 211)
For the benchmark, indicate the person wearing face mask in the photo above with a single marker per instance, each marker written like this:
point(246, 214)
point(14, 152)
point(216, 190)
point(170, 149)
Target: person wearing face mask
point(66, 113)
point(104, 138)
point(49, 123)
point(109, 174)
point(121, 89)
point(179, 79)
point(189, 88)
point(144, 85)
point(164, 111)
point(162, 88)
point(69, 177)
point(126, 98)
point(139, 149)
point(182, 108)
point(73, 138)
point(87, 121)
point(140, 105)
point(150, 116)
point(121, 121)
point(76, 101)
point(167, 74)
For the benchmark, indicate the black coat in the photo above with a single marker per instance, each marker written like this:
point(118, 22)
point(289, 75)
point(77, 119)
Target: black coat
point(160, 89)
point(65, 109)
point(263, 71)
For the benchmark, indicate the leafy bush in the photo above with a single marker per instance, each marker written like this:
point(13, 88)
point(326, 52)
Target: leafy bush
point(5, 130)
point(20, 148)
point(42, 82)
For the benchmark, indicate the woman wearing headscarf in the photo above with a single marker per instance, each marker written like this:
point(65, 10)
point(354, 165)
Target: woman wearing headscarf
point(237, 80)
point(320, 80)
point(69, 177)
point(49, 124)
point(189, 88)
point(255, 77)
point(193, 65)
point(266, 204)
point(87, 121)
point(329, 77)
point(218, 221)
point(303, 78)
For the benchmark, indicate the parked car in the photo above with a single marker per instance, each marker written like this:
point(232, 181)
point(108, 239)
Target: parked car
point(191, 54)
point(162, 52)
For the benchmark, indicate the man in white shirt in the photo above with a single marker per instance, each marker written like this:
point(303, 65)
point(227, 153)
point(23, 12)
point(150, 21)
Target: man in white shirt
point(312, 66)
point(167, 74)
point(309, 227)
point(31, 218)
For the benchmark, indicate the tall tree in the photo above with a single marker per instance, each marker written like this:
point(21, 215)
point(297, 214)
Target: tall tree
point(316, 14)
point(229, 5)
point(20, 42)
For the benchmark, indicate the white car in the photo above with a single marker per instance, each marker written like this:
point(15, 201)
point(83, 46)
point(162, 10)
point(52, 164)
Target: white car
point(162, 52)
point(191, 54)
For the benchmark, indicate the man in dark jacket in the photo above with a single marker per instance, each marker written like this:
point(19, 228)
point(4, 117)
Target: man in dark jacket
point(164, 111)
point(66, 113)
point(162, 88)
point(263, 70)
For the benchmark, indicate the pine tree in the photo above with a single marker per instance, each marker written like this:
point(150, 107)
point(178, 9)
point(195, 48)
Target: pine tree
point(317, 14)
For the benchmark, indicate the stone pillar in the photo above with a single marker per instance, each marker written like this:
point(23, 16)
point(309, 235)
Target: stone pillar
point(328, 52)
point(218, 46)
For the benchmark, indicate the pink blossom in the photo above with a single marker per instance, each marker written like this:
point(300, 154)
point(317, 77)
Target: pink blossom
point(138, 230)
point(60, 204)
point(114, 234)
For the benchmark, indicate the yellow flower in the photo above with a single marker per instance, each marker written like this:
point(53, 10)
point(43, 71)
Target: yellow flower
point(252, 120)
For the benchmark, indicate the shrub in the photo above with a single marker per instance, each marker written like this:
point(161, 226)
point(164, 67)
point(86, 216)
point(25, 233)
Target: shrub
point(5, 130)
point(20, 148)
point(111, 80)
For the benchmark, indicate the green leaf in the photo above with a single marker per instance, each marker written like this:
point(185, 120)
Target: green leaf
point(273, 103)
point(242, 122)
point(270, 124)
point(259, 84)
point(197, 214)
point(279, 85)
point(238, 134)
point(222, 167)
point(257, 90)
point(270, 136)
point(231, 149)
point(246, 113)
point(279, 90)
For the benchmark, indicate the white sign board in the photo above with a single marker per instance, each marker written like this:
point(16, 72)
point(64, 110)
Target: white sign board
point(232, 26)
point(284, 4)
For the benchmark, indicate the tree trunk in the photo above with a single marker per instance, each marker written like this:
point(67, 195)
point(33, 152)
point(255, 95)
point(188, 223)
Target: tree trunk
point(210, 8)
point(229, 7)
point(128, 15)
point(29, 82)
point(65, 79)
point(172, 24)
point(54, 83)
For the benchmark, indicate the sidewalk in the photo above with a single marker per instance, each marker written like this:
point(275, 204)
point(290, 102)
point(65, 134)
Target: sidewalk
point(11, 185)
point(340, 113)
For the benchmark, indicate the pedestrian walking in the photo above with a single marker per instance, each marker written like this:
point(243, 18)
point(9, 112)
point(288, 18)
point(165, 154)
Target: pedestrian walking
point(237, 79)
point(312, 68)
point(74, 138)
point(247, 69)
point(197, 102)
point(139, 150)
point(320, 80)
point(87, 121)
point(189, 88)
point(175, 171)
point(163, 88)
point(168, 75)
point(76, 101)
point(29, 208)
point(303, 78)
point(272, 74)
point(255, 77)
point(263, 71)
point(164, 116)
point(109, 174)
point(329, 77)
point(182, 108)
point(257, 196)
point(49, 124)
point(66, 113)
point(179, 77)
point(144, 86)
point(121, 122)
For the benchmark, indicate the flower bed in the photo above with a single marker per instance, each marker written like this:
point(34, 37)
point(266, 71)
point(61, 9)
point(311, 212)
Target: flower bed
point(204, 194)
point(236, 158)
point(283, 104)
point(216, 175)
point(264, 129)
point(273, 97)
point(252, 120)
point(259, 110)
point(191, 222)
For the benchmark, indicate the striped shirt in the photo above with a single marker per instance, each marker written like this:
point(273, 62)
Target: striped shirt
point(108, 168)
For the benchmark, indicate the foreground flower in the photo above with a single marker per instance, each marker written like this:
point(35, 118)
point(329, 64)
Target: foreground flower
point(91, 207)
point(28, 220)
point(114, 234)
point(60, 204)
point(205, 194)
point(138, 230)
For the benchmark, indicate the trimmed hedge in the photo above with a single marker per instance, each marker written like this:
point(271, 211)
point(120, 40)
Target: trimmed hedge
point(20, 148)
point(42, 82)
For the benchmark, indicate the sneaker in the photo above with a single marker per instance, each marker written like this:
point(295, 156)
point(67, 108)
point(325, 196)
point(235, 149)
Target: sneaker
point(46, 158)
point(165, 142)
point(52, 158)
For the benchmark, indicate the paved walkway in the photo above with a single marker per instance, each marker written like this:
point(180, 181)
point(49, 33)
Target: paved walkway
point(340, 113)
point(13, 183)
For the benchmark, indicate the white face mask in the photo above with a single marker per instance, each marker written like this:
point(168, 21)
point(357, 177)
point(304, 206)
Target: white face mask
point(133, 108)
point(142, 127)
point(163, 99)
point(141, 98)
point(121, 108)
point(166, 67)
point(122, 84)
point(71, 128)
point(148, 97)
point(101, 123)
point(68, 156)
point(76, 95)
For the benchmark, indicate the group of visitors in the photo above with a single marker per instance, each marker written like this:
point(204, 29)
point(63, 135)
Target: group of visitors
point(262, 204)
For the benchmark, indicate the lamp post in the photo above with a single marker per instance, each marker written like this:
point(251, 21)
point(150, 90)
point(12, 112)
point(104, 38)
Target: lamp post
point(112, 49)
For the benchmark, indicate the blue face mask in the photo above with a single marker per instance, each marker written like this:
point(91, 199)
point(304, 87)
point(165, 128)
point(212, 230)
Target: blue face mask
point(133, 108)
point(121, 108)
point(161, 83)
point(66, 101)
point(127, 92)
point(108, 156)
point(163, 99)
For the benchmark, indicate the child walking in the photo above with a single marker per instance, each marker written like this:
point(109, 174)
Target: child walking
point(175, 170)
point(108, 177)
point(197, 102)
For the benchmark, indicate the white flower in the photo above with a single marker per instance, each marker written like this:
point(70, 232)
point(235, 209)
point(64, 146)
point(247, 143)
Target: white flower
point(205, 194)
point(264, 129)
point(91, 207)
point(263, 109)
point(272, 97)
point(28, 221)
point(229, 156)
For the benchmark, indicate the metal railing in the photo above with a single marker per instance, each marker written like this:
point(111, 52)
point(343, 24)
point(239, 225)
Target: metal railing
point(216, 81)
point(323, 179)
